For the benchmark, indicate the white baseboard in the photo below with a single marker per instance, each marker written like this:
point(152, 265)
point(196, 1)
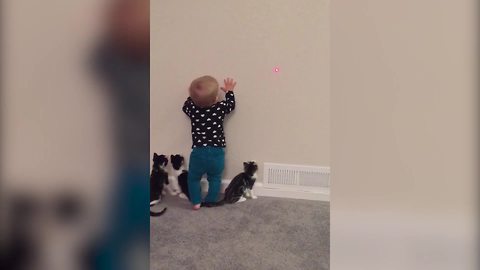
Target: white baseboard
point(317, 195)
point(260, 190)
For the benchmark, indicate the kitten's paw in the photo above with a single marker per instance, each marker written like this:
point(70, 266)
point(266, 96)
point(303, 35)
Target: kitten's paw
point(164, 192)
point(242, 199)
point(183, 196)
point(254, 197)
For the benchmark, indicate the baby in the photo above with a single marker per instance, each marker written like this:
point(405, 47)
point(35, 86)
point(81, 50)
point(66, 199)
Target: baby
point(208, 149)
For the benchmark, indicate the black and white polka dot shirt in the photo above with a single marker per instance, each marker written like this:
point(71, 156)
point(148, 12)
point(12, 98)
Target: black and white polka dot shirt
point(207, 123)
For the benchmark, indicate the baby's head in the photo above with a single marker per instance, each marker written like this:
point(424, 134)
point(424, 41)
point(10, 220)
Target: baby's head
point(204, 91)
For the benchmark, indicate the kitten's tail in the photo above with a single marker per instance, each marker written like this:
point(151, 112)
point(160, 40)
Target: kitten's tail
point(157, 214)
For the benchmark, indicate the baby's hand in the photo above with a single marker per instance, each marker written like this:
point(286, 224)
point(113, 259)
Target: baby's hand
point(229, 85)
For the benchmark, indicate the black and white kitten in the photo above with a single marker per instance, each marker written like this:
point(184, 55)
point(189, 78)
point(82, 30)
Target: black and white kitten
point(240, 188)
point(173, 187)
point(180, 176)
point(158, 178)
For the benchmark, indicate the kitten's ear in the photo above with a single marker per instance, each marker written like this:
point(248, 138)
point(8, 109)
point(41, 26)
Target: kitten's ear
point(171, 157)
point(245, 163)
point(155, 155)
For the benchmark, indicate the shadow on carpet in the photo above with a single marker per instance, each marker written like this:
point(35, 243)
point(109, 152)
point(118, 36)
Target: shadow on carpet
point(266, 233)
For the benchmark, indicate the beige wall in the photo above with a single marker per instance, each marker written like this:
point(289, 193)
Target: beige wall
point(280, 117)
point(403, 134)
point(51, 106)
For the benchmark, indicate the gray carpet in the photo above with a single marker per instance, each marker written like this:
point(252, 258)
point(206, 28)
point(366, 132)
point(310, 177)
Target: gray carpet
point(267, 233)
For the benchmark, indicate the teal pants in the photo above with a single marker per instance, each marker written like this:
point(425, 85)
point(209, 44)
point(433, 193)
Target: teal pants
point(210, 161)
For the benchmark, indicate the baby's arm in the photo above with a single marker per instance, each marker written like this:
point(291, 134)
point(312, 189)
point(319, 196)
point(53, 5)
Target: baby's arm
point(229, 102)
point(187, 106)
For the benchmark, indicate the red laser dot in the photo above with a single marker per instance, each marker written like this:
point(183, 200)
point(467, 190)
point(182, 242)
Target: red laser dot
point(276, 69)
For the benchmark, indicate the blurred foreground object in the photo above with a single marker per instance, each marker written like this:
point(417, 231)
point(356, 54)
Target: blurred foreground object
point(74, 135)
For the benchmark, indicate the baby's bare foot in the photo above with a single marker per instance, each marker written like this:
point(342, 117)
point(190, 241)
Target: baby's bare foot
point(196, 207)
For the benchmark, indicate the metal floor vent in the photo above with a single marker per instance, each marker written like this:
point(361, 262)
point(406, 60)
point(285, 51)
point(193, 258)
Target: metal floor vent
point(296, 177)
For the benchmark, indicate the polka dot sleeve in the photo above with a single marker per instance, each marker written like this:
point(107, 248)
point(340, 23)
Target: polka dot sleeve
point(187, 107)
point(229, 102)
